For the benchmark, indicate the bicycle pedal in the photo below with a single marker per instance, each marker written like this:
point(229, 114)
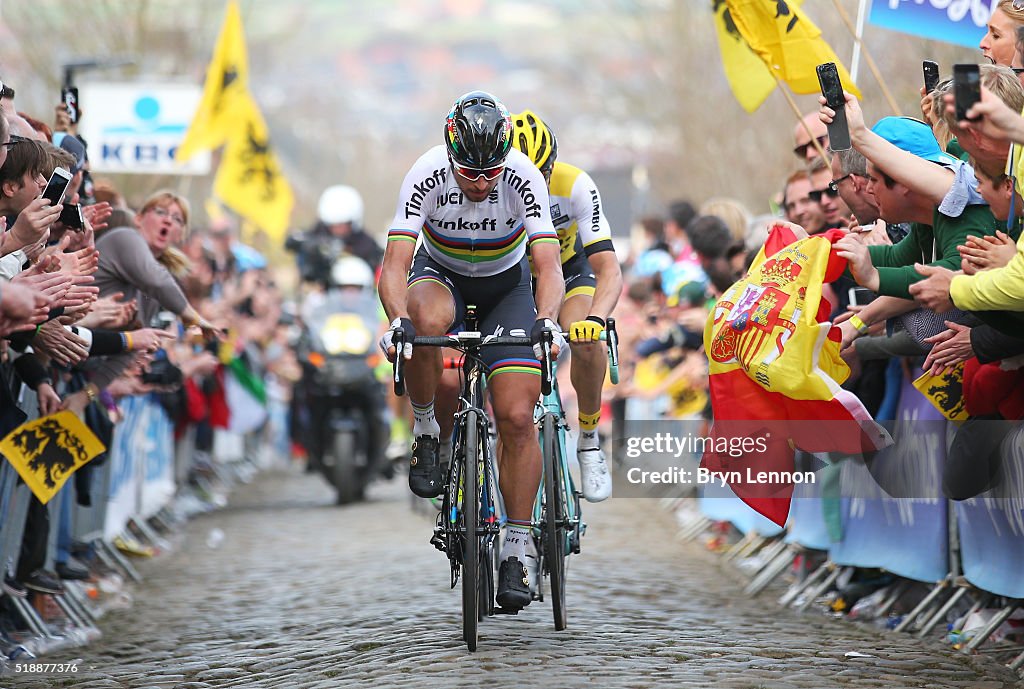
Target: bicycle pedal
point(438, 542)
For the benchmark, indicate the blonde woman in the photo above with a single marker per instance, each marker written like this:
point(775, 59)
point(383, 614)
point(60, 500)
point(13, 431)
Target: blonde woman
point(733, 213)
point(1000, 41)
point(138, 263)
point(141, 263)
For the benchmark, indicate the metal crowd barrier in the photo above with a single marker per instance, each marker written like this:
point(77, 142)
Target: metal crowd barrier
point(965, 554)
point(135, 494)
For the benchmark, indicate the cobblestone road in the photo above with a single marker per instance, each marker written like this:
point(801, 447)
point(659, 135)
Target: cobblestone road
point(303, 594)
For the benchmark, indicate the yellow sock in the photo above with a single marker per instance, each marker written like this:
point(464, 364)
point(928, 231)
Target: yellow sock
point(588, 422)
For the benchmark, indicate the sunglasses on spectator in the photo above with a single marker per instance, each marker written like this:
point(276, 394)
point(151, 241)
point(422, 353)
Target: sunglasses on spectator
point(15, 139)
point(473, 174)
point(830, 191)
point(834, 184)
point(801, 150)
point(164, 213)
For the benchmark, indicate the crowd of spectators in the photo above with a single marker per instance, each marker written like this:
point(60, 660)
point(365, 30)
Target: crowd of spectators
point(104, 297)
point(929, 216)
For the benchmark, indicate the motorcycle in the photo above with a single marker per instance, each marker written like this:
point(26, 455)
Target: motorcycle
point(347, 430)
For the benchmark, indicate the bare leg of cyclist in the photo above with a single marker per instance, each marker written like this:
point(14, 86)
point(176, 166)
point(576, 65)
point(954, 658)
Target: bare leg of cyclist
point(587, 368)
point(513, 396)
point(431, 309)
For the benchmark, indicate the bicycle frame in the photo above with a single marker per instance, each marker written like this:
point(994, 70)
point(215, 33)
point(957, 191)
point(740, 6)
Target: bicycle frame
point(469, 523)
point(472, 400)
point(551, 404)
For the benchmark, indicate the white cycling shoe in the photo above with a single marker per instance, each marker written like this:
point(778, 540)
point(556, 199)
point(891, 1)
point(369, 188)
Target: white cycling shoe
point(595, 479)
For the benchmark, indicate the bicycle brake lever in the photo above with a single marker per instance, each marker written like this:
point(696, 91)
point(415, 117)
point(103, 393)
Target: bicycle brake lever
point(399, 341)
point(545, 365)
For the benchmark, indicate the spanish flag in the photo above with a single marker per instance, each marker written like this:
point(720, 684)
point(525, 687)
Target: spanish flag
point(249, 179)
point(775, 373)
point(788, 43)
point(223, 92)
point(750, 80)
point(47, 451)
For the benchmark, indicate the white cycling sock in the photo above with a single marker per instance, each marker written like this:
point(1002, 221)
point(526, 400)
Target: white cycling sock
point(425, 423)
point(588, 440)
point(518, 543)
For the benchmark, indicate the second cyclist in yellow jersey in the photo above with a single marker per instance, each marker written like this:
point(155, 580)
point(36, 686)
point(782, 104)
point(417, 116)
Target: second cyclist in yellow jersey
point(593, 282)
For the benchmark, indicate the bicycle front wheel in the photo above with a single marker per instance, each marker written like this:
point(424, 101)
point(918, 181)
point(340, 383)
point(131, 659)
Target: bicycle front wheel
point(470, 521)
point(554, 518)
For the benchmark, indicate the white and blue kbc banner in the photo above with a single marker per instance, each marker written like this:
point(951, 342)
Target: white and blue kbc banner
point(962, 22)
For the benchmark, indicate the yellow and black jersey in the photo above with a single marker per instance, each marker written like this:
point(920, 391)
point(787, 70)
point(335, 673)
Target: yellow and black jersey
point(576, 213)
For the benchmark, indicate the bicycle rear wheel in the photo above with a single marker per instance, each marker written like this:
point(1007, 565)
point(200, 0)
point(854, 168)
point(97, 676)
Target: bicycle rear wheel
point(554, 519)
point(470, 521)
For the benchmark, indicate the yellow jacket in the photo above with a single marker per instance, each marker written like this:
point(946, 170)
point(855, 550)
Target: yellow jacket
point(999, 289)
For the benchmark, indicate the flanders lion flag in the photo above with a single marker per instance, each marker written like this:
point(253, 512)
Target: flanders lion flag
point(945, 392)
point(49, 450)
point(749, 78)
point(787, 41)
point(226, 84)
point(249, 179)
point(775, 373)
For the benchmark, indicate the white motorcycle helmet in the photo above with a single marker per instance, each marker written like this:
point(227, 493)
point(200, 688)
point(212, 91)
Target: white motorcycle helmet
point(340, 204)
point(349, 271)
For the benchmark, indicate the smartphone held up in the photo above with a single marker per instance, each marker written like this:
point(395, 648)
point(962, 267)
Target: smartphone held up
point(930, 68)
point(832, 89)
point(69, 96)
point(966, 88)
point(57, 186)
point(72, 218)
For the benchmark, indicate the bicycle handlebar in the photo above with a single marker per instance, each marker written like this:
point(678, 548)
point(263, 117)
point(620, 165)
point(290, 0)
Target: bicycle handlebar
point(464, 339)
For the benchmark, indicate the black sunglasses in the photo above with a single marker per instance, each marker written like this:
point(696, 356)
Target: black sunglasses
point(801, 150)
point(831, 191)
point(14, 140)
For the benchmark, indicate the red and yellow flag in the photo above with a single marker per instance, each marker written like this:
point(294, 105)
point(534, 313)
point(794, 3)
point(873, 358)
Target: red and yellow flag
point(775, 370)
point(788, 43)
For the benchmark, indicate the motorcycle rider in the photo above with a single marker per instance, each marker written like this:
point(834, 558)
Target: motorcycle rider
point(346, 311)
point(339, 230)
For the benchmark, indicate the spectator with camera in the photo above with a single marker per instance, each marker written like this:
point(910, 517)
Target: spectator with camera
point(339, 230)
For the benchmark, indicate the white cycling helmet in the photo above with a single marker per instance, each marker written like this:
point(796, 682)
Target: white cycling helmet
point(340, 204)
point(349, 271)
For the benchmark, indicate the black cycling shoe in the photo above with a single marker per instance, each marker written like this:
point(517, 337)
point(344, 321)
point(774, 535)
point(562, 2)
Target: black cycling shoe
point(513, 585)
point(425, 477)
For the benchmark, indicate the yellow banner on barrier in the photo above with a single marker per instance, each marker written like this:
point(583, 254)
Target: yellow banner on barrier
point(47, 451)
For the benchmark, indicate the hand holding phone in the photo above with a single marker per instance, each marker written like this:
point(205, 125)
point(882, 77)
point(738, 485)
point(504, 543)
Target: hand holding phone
point(69, 95)
point(966, 88)
point(57, 186)
point(931, 75)
point(71, 217)
point(832, 89)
